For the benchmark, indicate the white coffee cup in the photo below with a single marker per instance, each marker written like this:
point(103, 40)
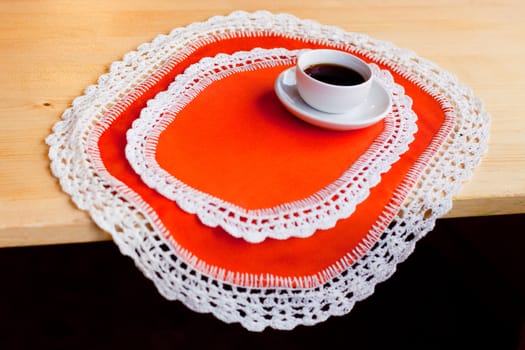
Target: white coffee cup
point(329, 96)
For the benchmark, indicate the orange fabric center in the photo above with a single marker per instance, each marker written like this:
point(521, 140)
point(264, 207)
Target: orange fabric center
point(236, 142)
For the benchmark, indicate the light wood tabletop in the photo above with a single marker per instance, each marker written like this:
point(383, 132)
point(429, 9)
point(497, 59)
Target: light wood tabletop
point(51, 50)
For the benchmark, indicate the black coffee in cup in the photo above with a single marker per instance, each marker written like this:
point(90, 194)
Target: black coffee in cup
point(334, 74)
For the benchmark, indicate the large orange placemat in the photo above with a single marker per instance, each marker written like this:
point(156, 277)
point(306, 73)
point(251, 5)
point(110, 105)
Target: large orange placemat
point(305, 262)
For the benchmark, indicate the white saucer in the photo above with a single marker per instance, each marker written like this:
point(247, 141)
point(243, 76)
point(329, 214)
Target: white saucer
point(372, 110)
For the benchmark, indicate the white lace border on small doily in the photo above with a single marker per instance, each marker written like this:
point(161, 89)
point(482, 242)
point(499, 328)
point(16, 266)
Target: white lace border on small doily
point(302, 218)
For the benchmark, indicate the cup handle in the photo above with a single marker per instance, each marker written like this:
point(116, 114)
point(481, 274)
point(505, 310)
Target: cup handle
point(289, 77)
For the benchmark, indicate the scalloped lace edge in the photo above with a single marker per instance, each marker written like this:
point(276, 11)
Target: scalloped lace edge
point(201, 293)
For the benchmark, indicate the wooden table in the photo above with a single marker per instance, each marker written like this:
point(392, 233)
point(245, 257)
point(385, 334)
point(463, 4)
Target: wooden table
point(51, 50)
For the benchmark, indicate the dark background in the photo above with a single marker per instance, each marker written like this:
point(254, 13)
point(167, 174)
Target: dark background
point(462, 288)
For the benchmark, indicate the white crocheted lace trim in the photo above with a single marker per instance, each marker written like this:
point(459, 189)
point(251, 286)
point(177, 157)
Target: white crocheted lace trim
point(294, 219)
point(180, 276)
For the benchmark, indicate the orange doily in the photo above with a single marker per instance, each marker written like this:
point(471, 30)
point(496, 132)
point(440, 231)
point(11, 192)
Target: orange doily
point(315, 259)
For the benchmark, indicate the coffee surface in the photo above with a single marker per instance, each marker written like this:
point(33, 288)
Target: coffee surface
point(334, 74)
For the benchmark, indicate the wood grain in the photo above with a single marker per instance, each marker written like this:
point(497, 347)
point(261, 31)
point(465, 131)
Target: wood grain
point(51, 50)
